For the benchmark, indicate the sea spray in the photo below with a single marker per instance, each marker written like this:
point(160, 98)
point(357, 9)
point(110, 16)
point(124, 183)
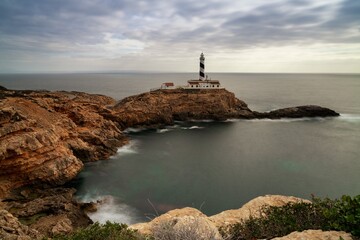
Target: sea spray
point(111, 209)
point(130, 148)
point(353, 118)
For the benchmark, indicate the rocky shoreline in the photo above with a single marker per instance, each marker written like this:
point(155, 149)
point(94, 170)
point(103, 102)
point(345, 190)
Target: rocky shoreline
point(45, 137)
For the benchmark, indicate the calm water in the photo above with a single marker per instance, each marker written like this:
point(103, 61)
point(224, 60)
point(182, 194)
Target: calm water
point(221, 165)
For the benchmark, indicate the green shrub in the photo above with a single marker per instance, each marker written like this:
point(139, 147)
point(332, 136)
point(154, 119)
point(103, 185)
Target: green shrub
point(324, 214)
point(108, 231)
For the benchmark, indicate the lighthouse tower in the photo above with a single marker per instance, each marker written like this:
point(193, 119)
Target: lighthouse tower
point(202, 67)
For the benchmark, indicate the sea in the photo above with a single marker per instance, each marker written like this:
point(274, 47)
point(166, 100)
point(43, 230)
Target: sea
point(215, 166)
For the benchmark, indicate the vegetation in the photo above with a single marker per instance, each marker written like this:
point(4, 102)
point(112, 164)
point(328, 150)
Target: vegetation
point(108, 231)
point(324, 214)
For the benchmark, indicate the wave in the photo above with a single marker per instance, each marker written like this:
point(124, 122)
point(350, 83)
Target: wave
point(353, 118)
point(192, 127)
point(202, 120)
point(129, 148)
point(163, 130)
point(112, 209)
point(133, 130)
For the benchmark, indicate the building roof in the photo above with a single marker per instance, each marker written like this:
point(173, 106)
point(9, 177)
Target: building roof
point(203, 81)
point(168, 84)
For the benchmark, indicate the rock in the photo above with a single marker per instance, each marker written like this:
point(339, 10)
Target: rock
point(180, 222)
point(252, 208)
point(316, 235)
point(11, 228)
point(49, 211)
point(180, 219)
point(146, 228)
point(45, 136)
point(298, 112)
point(166, 106)
point(186, 227)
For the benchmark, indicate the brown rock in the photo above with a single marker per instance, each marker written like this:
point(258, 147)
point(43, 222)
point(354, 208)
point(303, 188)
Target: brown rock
point(146, 228)
point(252, 208)
point(11, 228)
point(49, 211)
point(181, 218)
point(45, 136)
point(316, 235)
point(165, 106)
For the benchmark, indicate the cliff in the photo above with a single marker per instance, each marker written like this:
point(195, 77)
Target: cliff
point(46, 136)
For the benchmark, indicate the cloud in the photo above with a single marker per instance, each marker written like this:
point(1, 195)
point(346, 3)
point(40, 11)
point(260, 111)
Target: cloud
point(112, 29)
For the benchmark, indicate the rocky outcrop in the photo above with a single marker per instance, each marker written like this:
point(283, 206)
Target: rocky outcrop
point(12, 229)
point(48, 211)
point(316, 235)
point(252, 208)
point(197, 225)
point(298, 112)
point(166, 106)
point(221, 220)
point(45, 136)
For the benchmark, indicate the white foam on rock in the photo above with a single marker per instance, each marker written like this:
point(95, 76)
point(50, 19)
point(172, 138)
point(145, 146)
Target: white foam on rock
point(112, 209)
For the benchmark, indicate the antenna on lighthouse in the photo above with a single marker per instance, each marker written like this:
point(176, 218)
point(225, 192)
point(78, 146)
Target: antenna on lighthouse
point(202, 67)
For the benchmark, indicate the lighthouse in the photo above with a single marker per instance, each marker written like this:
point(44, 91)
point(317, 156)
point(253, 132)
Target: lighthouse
point(200, 84)
point(202, 67)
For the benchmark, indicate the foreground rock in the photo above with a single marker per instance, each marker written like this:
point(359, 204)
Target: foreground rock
point(48, 211)
point(252, 208)
point(11, 228)
point(198, 226)
point(316, 235)
point(213, 223)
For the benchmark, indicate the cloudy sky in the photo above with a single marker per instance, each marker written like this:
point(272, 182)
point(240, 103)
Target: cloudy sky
point(168, 35)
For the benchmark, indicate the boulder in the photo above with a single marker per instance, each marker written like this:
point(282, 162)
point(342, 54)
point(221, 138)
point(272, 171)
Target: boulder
point(178, 221)
point(12, 229)
point(316, 235)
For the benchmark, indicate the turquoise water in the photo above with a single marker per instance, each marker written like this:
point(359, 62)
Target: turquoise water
point(221, 165)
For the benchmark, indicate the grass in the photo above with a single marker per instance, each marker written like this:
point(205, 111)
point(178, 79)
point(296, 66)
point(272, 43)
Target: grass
point(107, 231)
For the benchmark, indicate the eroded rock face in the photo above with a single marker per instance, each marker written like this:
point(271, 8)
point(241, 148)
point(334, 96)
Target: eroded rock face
point(45, 136)
point(48, 211)
point(11, 228)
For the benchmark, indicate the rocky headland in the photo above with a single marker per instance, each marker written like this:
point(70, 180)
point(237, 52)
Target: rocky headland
point(45, 137)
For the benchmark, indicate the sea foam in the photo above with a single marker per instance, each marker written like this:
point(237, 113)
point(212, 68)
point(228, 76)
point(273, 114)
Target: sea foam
point(112, 209)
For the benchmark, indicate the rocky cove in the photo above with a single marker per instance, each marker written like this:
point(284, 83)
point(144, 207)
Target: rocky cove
point(47, 136)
